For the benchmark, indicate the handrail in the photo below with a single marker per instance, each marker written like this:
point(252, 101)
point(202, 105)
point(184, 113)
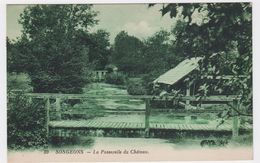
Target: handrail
point(224, 99)
point(215, 98)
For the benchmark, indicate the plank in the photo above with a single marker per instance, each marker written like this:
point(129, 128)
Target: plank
point(173, 126)
point(87, 123)
point(102, 124)
point(81, 124)
point(108, 124)
point(121, 125)
point(55, 123)
point(97, 124)
point(78, 124)
point(206, 127)
point(91, 124)
point(117, 124)
point(182, 126)
point(133, 126)
point(124, 125)
point(225, 126)
point(138, 125)
point(167, 126)
point(113, 124)
point(162, 126)
point(190, 126)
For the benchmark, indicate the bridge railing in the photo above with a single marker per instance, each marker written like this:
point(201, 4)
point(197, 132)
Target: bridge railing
point(229, 100)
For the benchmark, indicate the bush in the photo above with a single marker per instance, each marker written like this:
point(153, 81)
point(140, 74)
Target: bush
point(135, 87)
point(148, 81)
point(25, 123)
point(115, 78)
point(74, 140)
point(19, 81)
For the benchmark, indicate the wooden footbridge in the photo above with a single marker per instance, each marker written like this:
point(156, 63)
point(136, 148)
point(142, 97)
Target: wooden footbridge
point(145, 126)
point(92, 124)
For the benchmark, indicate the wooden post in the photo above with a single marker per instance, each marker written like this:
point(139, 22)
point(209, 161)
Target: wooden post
point(235, 122)
point(147, 116)
point(99, 76)
point(187, 94)
point(30, 100)
point(47, 107)
point(187, 119)
point(58, 108)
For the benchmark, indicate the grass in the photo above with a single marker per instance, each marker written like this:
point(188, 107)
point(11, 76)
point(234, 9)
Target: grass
point(57, 141)
point(170, 118)
point(245, 139)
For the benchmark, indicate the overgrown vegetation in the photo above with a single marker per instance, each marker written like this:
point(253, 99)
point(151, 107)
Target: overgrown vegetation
point(56, 48)
point(135, 86)
point(142, 58)
point(222, 34)
point(117, 78)
point(25, 123)
point(88, 109)
point(18, 81)
point(74, 140)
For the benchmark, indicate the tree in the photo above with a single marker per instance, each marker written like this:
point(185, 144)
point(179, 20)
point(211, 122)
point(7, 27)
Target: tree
point(99, 49)
point(160, 56)
point(57, 61)
point(127, 53)
point(16, 55)
point(223, 35)
point(159, 52)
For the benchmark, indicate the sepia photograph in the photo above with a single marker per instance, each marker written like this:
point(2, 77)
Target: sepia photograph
point(129, 82)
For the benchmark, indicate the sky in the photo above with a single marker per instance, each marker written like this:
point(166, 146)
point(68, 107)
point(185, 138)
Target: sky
point(137, 19)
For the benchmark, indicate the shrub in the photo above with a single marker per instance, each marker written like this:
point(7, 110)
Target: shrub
point(19, 81)
point(148, 80)
point(25, 123)
point(115, 78)
point(135, 87)
point(74, 140)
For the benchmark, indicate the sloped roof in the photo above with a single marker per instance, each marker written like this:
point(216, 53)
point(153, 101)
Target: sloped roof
point(177, 73)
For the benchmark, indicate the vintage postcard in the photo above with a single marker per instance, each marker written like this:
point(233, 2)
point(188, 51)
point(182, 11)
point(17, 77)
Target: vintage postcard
point(129, 82)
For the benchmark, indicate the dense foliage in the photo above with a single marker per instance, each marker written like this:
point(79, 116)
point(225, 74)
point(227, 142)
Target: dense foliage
point(56, 48)
point(19, 81)
point(127, 53)
point(147, 58)
point(160, 55)
point(99, 49)
point(222, 34)
point(116, 78)
point(58, 59)
point(26, 123)
point(135, 86)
